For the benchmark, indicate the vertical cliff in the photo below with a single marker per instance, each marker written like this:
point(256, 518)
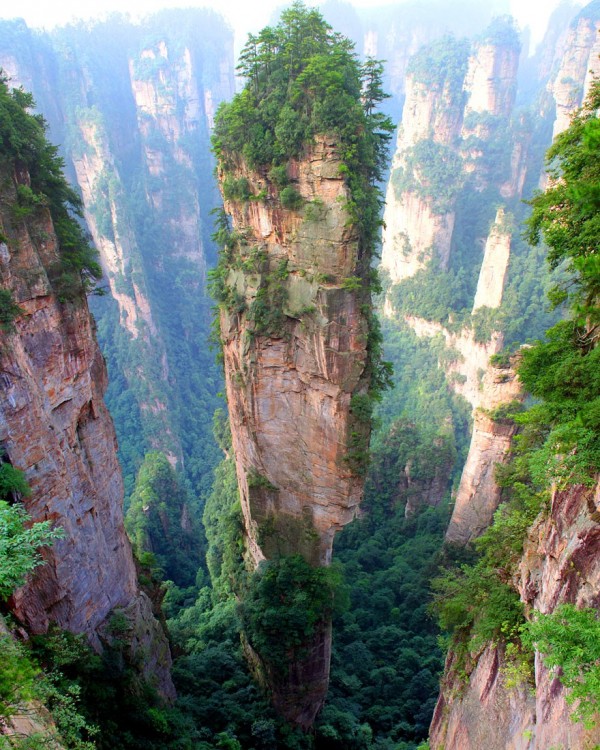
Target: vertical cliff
point(54, 424)
point(419, 219)
point(541, 551)
point(484, 706)
point(295, 355)
point(459, 99)
point(290, 385)
point(576, 63)
point(300, 345)
point(478, 495)
point(133, 109)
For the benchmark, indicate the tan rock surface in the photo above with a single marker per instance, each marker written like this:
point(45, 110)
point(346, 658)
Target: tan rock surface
point(560, 564)
point(289, 392)
point(490, 284)
point(55, 427)
point(578, 65)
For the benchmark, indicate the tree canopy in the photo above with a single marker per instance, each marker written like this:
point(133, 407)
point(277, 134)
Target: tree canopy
point(23, 144)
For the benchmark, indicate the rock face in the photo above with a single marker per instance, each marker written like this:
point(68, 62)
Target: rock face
point(560, 561)
point(133, 105)
point(54, 426)
point(449, 117)
point(293, 383)
point(478, 495)
point(495, 265)
point(486, 714)
point(578, 64)
point(560, 565)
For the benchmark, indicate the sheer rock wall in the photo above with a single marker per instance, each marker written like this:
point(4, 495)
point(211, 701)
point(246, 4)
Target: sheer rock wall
point(289, 390)
point(55, 427)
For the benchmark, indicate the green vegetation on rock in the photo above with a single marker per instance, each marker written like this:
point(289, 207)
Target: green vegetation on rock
point(24, 148)
point(558, 444)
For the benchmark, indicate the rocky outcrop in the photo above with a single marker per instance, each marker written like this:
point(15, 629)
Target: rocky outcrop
point(482, 712)
point(478, 495)
point(495, 265)
point(289, 390)
point(485, 387)
point(491, 79)
point(457, 100)
point(133, 105)
point(414, 227)
point(578, 63)
point(560, 564)
point(413, 230)
point(54, 426)
point(469, 359)
point(294, 342)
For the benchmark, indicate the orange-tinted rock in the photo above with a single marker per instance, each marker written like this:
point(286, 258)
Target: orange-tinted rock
point(55, 427)
point(289, 389)
point(560, 564)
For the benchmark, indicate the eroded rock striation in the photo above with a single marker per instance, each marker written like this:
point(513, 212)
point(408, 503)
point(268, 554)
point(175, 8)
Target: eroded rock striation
point(294, 336)
point(478, 494)
point(55, 427)
point(133, 105)
point(458, 100)
point(289, 390)
point(483, 708)
point(577, 63)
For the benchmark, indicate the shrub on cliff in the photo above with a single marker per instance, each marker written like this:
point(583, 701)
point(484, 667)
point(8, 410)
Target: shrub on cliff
point(24, 147)
point(286, 602)
point(302, 79)
point(19, 542)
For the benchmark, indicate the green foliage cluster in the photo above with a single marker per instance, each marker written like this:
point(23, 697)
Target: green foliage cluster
point(569, 640)
point(566, 215)
point(304, 80)
point(25, 676)
point(24, 146)
point(266, 311)
point(441, 64)
point(563, 370)
point(503, 32)
point(285, 603)
point(433, 171)
point(20, 541)
point(236, 189)
point(162, 519)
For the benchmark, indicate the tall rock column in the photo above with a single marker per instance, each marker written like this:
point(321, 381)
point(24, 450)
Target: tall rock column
point(300, 344)
point(54, 426)
point(294, 358)
point(295, 353)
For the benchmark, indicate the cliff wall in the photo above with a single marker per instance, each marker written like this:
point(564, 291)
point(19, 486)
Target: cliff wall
point(291, 379)
point(483, 707)
point(457, 98)
point(577, 62)
point(133, 106)
point(55, 427)
point(289, 392)
point(481, 704)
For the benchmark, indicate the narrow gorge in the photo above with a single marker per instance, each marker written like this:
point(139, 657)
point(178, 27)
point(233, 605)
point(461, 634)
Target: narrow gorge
point(372, 522)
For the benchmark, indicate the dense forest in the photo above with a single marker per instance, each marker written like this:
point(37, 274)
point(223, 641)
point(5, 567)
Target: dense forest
point(400, 598)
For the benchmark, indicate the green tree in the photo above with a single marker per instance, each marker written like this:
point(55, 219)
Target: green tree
point(569, 639)
point(20, 541)
point(20, 545)
point(23, 144)
point(162, 519)
point(567, 217)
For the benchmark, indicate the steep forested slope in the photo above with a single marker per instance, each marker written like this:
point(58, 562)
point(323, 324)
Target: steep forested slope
point(132, 106)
